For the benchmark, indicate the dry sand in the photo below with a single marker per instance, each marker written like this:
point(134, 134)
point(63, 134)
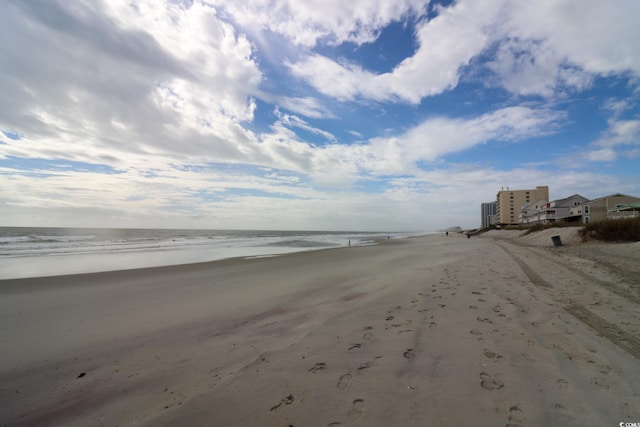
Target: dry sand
point(427, 331)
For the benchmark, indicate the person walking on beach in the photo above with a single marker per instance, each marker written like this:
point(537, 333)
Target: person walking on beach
point(446, 233)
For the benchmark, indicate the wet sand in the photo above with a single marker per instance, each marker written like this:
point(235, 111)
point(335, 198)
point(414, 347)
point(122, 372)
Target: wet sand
point(484, 331)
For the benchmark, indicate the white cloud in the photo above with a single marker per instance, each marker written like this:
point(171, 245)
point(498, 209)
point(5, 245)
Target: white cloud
point(620, 132)
point(616, 106)
point(602, 155)
point(306, 23)
point(599, 37)
point(128, 80)
point(306, 106)
point(446, 43)
point(539, 47)
point(615, 141)
point(549, 45)
point(295, 121)
point(440, 136)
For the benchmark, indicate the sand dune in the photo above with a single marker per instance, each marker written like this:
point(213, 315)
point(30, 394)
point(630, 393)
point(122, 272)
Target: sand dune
point(422, 331)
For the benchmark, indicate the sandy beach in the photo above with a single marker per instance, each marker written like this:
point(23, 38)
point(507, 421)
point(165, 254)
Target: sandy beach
point(498, 330)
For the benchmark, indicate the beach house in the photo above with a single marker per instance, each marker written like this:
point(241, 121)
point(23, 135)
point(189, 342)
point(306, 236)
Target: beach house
point(543, 212)
point(607, 207)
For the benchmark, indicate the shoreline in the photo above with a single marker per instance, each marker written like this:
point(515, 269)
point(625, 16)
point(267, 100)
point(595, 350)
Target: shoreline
point(88, 263)
point(397, 333)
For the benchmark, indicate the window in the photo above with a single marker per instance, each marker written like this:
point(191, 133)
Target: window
point(586, 209)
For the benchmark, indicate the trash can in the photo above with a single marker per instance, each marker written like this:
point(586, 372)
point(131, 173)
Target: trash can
point(556, 240)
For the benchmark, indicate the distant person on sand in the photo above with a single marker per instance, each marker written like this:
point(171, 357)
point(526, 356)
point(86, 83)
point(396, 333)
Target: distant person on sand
point(446, 233)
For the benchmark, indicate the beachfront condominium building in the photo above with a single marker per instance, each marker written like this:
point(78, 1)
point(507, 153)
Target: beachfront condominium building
point(510, 202)
point(488, 214)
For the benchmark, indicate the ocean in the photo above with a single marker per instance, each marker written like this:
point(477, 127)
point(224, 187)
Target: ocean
point(37, 251)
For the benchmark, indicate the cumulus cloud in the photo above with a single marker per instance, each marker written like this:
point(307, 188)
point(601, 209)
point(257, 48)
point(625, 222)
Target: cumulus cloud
point(345, 164)
point(532, 49)
point(439, 136)
point(620, 132)
point(595, 36)
point(125, 80)
point(329, 21)
point(622, 137)
point(446, 43)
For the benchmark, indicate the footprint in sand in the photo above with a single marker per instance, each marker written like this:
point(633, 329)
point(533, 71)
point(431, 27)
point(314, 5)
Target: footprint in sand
point(475, 332)
point(357, 410)
point(285, 401)
point(364, 366)
point(366, 333)
point(344, 381)
point(490, 354)
point(409, 354)
point(318, 367)
point(489, 382)
point(516, 414)
point(355, 346)
point(600, 382)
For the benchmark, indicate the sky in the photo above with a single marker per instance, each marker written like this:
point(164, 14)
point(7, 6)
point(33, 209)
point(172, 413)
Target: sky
point(380, 115)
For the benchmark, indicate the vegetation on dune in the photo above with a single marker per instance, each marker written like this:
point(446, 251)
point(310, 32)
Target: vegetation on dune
point(610, 230)
point(613, 230)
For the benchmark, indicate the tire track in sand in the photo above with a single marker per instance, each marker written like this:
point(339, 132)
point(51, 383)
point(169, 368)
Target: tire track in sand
point(618, 336)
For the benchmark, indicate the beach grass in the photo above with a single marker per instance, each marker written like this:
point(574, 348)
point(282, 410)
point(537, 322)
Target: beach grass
point(613, 230)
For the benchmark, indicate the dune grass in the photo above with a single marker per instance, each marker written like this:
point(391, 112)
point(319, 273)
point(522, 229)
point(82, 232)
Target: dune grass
point(613, 230)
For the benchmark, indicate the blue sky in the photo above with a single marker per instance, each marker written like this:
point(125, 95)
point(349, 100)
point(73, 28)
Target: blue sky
point(372, 115)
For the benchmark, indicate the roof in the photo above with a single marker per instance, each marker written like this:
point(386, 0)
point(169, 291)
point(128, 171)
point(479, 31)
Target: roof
point(611, 196)
point(559, 202)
